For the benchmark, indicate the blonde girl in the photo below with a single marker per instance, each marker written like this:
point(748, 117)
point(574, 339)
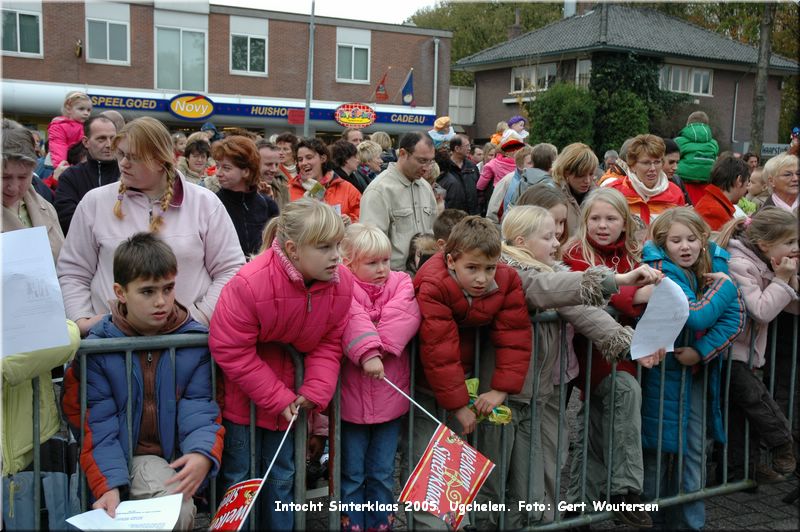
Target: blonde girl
point(67, 129)
point(383, 319)
point(680, 247)
point(530, 246)
point(764, 258)
point(151, 196)
point(606, 237)
point(294, 293)
point(573, 172)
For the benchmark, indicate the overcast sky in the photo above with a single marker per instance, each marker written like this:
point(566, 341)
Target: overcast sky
point(389, 11)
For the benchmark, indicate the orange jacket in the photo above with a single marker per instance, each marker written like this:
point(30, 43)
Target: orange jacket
point(338, 192)
point(715, 207)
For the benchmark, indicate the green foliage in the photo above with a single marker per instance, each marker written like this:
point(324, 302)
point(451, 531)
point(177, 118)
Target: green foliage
point(790, 110)
point(562, 115)
point(480, 25)
point(619, 115)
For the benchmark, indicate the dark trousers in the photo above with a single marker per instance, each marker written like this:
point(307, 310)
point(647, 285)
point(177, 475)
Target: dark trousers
point(750, 399)
point(784, 345)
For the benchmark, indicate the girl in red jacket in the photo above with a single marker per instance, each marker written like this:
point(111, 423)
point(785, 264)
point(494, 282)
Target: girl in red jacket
point(294, 293)
point(606, 236)
point(383, 319)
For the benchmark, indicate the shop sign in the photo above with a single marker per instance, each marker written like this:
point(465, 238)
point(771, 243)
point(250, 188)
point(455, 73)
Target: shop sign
point(355, 115)
point(191, 106)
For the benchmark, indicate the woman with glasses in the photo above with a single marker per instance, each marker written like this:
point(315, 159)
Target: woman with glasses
point(151, 196)
point(194, 162)
point(781, 172)
point(646, 187)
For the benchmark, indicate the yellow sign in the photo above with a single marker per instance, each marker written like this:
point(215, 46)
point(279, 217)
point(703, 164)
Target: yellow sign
point(191, 106)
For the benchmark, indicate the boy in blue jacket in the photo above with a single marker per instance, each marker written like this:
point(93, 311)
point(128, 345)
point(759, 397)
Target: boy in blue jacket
point(175, 445)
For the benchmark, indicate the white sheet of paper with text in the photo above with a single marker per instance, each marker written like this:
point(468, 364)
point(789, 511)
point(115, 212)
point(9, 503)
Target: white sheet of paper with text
point(160, 513)
point(33, 308)
point(663, 319)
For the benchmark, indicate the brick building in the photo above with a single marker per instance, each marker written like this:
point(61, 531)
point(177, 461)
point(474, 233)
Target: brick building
point(243, 67)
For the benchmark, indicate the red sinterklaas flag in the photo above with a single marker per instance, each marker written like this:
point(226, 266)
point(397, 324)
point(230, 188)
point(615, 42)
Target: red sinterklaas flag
point(380, 91)
point(447, 477)
point(235, 505)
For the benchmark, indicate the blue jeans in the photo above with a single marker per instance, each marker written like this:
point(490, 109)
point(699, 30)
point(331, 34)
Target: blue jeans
point(690, 515)
point(368, 453)
point(280, 484)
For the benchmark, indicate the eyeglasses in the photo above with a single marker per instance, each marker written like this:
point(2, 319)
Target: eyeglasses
point(651, 164)
point(422, 161)
point(119, 154)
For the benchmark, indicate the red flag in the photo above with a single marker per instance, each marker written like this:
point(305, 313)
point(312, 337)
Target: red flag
point(380, 91)
point(447, 477)
point(235, 505)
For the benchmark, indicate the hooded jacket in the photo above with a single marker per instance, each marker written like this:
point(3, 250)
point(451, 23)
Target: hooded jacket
point(18, 372)
point(648, 209)
point(338, 193)
point(76, 181)
point(699, 151)
point(196, 226)
point(460, 184)
point(187, 415)
point(495, 170)
point(715, 207)
point(62, 133)
point(765, 296)
point(447, 333)
point(716, 318)
point(265, 305)
point(383, 319)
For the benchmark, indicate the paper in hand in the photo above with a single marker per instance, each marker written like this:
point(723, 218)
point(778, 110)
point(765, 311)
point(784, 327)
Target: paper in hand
point(663, 320)
point(160, 513)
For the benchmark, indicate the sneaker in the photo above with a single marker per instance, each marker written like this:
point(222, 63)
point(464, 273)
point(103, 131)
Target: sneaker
point(783, 458)
point(766, 475)
point(629, 516)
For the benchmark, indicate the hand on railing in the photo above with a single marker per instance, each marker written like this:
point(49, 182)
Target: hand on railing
point(195, 467)
point(467, 418)
point(687, 356)
point(373, 368)
point(294, 408)
point(641, 276)
point(108, 502)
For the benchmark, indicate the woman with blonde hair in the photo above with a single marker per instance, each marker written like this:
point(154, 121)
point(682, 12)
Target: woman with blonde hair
point(646, 187)
point(151, 196)
point(573, 171)
point(388, 154)
point(782, 175)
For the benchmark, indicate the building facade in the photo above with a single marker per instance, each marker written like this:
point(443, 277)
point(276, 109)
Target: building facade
point(240, 67)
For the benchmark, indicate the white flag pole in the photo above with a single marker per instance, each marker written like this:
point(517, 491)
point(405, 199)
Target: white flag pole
point(404, 394)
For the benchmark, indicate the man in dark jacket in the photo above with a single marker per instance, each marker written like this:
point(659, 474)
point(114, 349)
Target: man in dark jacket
point(99, 169)
point(460, 177)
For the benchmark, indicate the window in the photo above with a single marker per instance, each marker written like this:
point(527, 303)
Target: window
point(180, 59)
point(696, 81)
point(106, 41)
point(248, 54)
point(533, 78)
point(352, 55)
point(583, 73)
point(22, 33)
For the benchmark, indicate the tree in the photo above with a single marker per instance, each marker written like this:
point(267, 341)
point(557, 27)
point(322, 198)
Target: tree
point(760, 93)
point(562, 115)
point(620, 115)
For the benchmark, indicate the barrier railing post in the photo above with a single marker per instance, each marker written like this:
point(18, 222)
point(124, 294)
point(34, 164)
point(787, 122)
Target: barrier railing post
point(37, 459)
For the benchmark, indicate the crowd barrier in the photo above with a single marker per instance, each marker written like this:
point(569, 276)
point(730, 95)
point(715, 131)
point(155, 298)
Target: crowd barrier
point(129, 345)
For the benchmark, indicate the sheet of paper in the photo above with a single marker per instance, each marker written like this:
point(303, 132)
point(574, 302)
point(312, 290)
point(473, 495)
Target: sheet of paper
point(33, 309)
point(663, 319)
point(160, 513)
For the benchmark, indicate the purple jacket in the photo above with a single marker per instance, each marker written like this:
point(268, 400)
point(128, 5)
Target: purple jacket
point(382, 321)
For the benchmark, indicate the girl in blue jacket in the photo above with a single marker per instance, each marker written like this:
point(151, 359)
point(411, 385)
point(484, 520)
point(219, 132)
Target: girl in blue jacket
point(680, 247)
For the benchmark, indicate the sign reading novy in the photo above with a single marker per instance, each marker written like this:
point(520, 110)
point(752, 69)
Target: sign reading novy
point(191, 106)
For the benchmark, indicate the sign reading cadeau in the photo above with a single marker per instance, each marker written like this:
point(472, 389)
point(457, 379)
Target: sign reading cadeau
point(191, 106)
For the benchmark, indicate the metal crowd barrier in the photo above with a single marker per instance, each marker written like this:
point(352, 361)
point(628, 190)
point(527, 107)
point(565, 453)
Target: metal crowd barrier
point(301, 494)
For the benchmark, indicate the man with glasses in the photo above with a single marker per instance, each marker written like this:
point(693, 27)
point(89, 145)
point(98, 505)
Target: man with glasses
point(99, 169)
point(399, 202)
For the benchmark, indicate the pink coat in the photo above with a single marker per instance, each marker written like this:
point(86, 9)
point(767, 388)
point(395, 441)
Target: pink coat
point(382, 321)
point(495, 170)
point(267, 304)
point(62, 133)
point(765, 296)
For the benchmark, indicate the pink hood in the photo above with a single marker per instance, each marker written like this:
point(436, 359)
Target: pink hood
point(382, 321)
point(265, 305)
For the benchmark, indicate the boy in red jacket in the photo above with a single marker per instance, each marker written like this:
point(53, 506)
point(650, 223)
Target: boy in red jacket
point(459, 290)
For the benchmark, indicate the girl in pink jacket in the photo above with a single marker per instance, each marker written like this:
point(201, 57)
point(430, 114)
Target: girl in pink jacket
point(294, 293)
point(66, 130)
point(383, 319)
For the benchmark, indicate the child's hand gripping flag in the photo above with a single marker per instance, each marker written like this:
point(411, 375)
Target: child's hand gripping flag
point(501, 415)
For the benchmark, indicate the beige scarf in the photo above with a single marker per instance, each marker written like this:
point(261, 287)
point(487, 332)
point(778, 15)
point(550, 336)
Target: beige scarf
point(643, 191)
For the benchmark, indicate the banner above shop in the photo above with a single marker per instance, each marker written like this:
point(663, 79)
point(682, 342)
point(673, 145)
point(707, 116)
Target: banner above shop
point(197, 107)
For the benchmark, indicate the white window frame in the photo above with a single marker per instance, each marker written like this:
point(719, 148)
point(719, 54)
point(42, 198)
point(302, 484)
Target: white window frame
point(531, 70)
point(249, 72)
point(578, 72)
point(17, 53)
point(353, 48)
point(665, 80)
point(127, 25)
point(180, 74)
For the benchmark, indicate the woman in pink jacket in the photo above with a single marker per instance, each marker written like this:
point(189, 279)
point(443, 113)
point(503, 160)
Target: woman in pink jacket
point(384, 317)
point(294, 293)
